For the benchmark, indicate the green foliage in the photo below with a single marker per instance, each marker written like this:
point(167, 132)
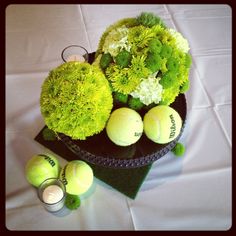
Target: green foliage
point(105, 60)
point(76, 100)
point(135, 103)
point(179, 149)
point(72, 202)
point(123, 58)
point(149, 19)
point(48, 134)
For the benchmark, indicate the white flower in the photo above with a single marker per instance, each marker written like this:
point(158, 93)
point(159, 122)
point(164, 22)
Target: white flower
point(181, 42)
point(149, 90)
point(116, 40)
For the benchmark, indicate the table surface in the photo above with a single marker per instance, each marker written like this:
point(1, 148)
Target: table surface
point(193, 192)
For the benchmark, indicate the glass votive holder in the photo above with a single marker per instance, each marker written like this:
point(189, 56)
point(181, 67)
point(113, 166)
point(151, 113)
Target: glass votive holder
point(75, 53)
point(52, 193)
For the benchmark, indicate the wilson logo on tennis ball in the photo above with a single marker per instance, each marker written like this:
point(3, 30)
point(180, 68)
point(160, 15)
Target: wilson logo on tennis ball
point(173, 126)
point(63, 176)
point(162, 124)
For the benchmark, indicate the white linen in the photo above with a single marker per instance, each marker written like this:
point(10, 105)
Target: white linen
point(193, 192)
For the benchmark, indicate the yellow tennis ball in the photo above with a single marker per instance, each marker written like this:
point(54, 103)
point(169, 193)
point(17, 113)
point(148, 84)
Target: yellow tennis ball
point(41, 167)
point(77, 176)
point(162, 124)
point(124, 127)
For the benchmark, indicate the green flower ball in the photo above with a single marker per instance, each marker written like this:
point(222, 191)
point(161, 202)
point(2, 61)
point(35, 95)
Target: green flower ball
point(72, 202)
point(179, 149)
point(76, 100)
point(48, 134)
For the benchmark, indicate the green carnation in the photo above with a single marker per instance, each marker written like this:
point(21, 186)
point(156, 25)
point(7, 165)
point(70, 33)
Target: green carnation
point(155, 46)
point(123, 58)
point(120, 97)
point(153, 62)
point(168, 80)
point(149, 19)
point(105, 60)
point(135, 104)
point(166, 51)
point(76, 100)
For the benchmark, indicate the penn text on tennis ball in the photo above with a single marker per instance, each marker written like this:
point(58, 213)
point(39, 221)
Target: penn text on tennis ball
point(162, 124)
point(124, 127)
point(77, 177)
point(41, 167)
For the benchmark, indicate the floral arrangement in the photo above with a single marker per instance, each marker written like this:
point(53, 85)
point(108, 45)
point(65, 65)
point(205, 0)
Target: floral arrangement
point(76, 100)
point(145, 62)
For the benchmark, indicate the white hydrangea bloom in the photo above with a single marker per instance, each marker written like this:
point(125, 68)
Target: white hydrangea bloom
point(116, 40)
point(149, 90)
point(181, 42)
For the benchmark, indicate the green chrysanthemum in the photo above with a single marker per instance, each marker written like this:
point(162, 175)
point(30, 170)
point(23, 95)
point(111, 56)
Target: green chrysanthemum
point(124, 83)
point(76, 100)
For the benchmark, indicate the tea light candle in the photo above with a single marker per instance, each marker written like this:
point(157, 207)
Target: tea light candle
point(75, 57)
point(52, 194)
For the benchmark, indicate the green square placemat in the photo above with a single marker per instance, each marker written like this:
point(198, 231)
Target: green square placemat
point(127, 181)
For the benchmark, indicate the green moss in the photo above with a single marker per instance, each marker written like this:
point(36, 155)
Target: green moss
point(179, 149)
point(123, 58)
point(72, 202)
point(105, 60)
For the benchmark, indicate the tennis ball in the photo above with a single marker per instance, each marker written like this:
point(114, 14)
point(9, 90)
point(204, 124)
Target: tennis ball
point(124, 127)
point(77, 176)
point(162, 124)
point(41, 167)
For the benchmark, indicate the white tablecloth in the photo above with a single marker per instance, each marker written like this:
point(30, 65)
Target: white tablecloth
point(188, 193)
